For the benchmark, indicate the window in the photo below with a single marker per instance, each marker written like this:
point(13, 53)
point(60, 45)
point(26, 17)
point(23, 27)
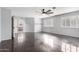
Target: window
point(70, 22)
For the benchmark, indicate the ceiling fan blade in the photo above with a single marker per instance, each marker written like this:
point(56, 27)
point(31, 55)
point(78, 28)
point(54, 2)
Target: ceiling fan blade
point(48, 11)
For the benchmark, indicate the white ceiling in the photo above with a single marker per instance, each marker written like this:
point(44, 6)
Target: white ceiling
point(27, 11)
point(33, 11)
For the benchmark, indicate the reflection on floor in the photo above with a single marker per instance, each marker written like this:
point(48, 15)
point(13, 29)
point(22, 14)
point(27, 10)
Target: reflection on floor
point(6, 46)
point(56, 43)
point(47, 43)
point(24, 42)
point(41, 42)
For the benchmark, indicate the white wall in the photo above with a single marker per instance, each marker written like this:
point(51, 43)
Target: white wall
point(29, 24)
point(5, 24)
point(0, 24)
point(37, 25)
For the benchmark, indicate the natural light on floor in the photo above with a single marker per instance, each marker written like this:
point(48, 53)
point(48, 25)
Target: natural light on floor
point(49, 40)
point(66, 47)
point(21, 38)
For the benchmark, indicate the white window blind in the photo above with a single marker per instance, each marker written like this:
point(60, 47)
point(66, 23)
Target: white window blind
point(70, 22)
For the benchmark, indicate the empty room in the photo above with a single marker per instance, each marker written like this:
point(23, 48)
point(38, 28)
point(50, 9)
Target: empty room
point(39, 29)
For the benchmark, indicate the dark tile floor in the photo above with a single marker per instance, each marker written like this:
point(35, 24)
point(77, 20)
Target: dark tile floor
point(41, 42)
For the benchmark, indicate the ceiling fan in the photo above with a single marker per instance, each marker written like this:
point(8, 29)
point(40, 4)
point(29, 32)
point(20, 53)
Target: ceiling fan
point(47, 12)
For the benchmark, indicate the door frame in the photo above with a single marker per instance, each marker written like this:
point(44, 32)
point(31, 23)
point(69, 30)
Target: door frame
point(12, 33)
